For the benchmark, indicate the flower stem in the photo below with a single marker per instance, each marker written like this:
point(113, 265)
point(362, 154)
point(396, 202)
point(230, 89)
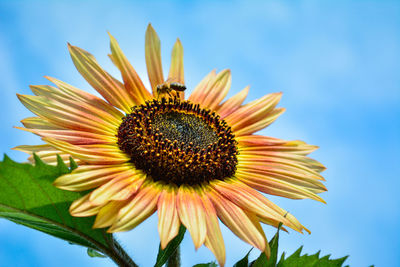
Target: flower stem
point(118, 254)
point(175, 259)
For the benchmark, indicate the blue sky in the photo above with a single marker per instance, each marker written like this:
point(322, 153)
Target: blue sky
point(336, 62)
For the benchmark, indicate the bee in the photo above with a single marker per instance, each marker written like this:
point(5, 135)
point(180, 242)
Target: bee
point(167, 88)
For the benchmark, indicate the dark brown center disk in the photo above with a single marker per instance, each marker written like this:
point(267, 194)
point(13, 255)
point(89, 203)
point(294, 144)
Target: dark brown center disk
point(178, 143)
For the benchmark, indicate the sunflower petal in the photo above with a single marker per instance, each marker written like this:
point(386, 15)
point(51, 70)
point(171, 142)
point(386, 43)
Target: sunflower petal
point(138, 209)
point(275, 187)
point(82, 207)
point(108, 213)
point(99, 154)
point(46, 153)
point(112, 90)
point(233, 103)
point(120, 187)
point(74, 137)
point(253, 112)
point(176, 73)
point(132, 82)
point(259, 125)
point(214, 240)
point(153, 58)
point(238, 221)
point(191, 213)
point(203, 88)
point(74, 93)
point(64, 116)
point(251, 200)
point(90, 176)
point(39, 123)
point(168, 219)
point(219, 88)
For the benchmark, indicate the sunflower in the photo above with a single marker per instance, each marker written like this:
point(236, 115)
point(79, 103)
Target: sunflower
point(194, 161)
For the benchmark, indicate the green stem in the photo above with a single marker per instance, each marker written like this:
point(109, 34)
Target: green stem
point(118, 254)
point(175, 259)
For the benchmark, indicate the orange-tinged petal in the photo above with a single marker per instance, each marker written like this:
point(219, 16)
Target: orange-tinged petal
point(219, 88)
point(39, 123)
point(253, 111)
point(203, 88)
point(214, 240)
point(233, 103)
point(108, 213)
point(282, 157)
point(132, 82)
point(271, 162)
point(112, 90)
point(153, 58)
point(74, 137)
point(82, 207)
point(73, 105)
point(72, 92)
point(248, 141)
point(237, 220)
point(191, 213)
point(259, 125)
point(168, 219)
point(138, 209)
point(46, 153)
point(120, 187)
point(176, 70)
point(64, 116)
point(99, 154)
point(308, 183)
point(251, 200)
point(90, 176)
point(275, 187)
point(265, 143)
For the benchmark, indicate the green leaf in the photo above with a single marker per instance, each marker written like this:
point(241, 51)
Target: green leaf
point(29, 198)
point(309, 260)
point(163, 255)
point(244, 262)
point(94, 254)
point(262, 260)
point(210, 264)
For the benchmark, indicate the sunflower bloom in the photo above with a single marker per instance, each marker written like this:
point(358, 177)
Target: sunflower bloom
point(195, 161)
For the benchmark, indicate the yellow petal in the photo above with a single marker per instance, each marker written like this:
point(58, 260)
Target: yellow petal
point(133, 84)
point(253, 112)
point(251, 200)
point(176, 71)
point(97, 154)
point(263, 123)
point(108, 213)
point(72, 92)
point(238, 221)
point(112, 90)
point(137, 210)
point(168, 219)
point(214, 240)
point(219, 90)
point(191, 214)
point(82, 207)
point(275, 187)
point(90, 176)
point(120, 187)
point(153, 58)
point(233, 103)
point(38, 123)
point(203, 88)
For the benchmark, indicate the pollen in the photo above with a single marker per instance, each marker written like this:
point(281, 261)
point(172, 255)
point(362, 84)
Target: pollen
point(177, 142)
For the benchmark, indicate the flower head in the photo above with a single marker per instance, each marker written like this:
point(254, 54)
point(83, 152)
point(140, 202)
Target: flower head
point(195, 161)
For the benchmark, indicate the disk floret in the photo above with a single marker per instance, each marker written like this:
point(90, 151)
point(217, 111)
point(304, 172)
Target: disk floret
point(178, 142)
